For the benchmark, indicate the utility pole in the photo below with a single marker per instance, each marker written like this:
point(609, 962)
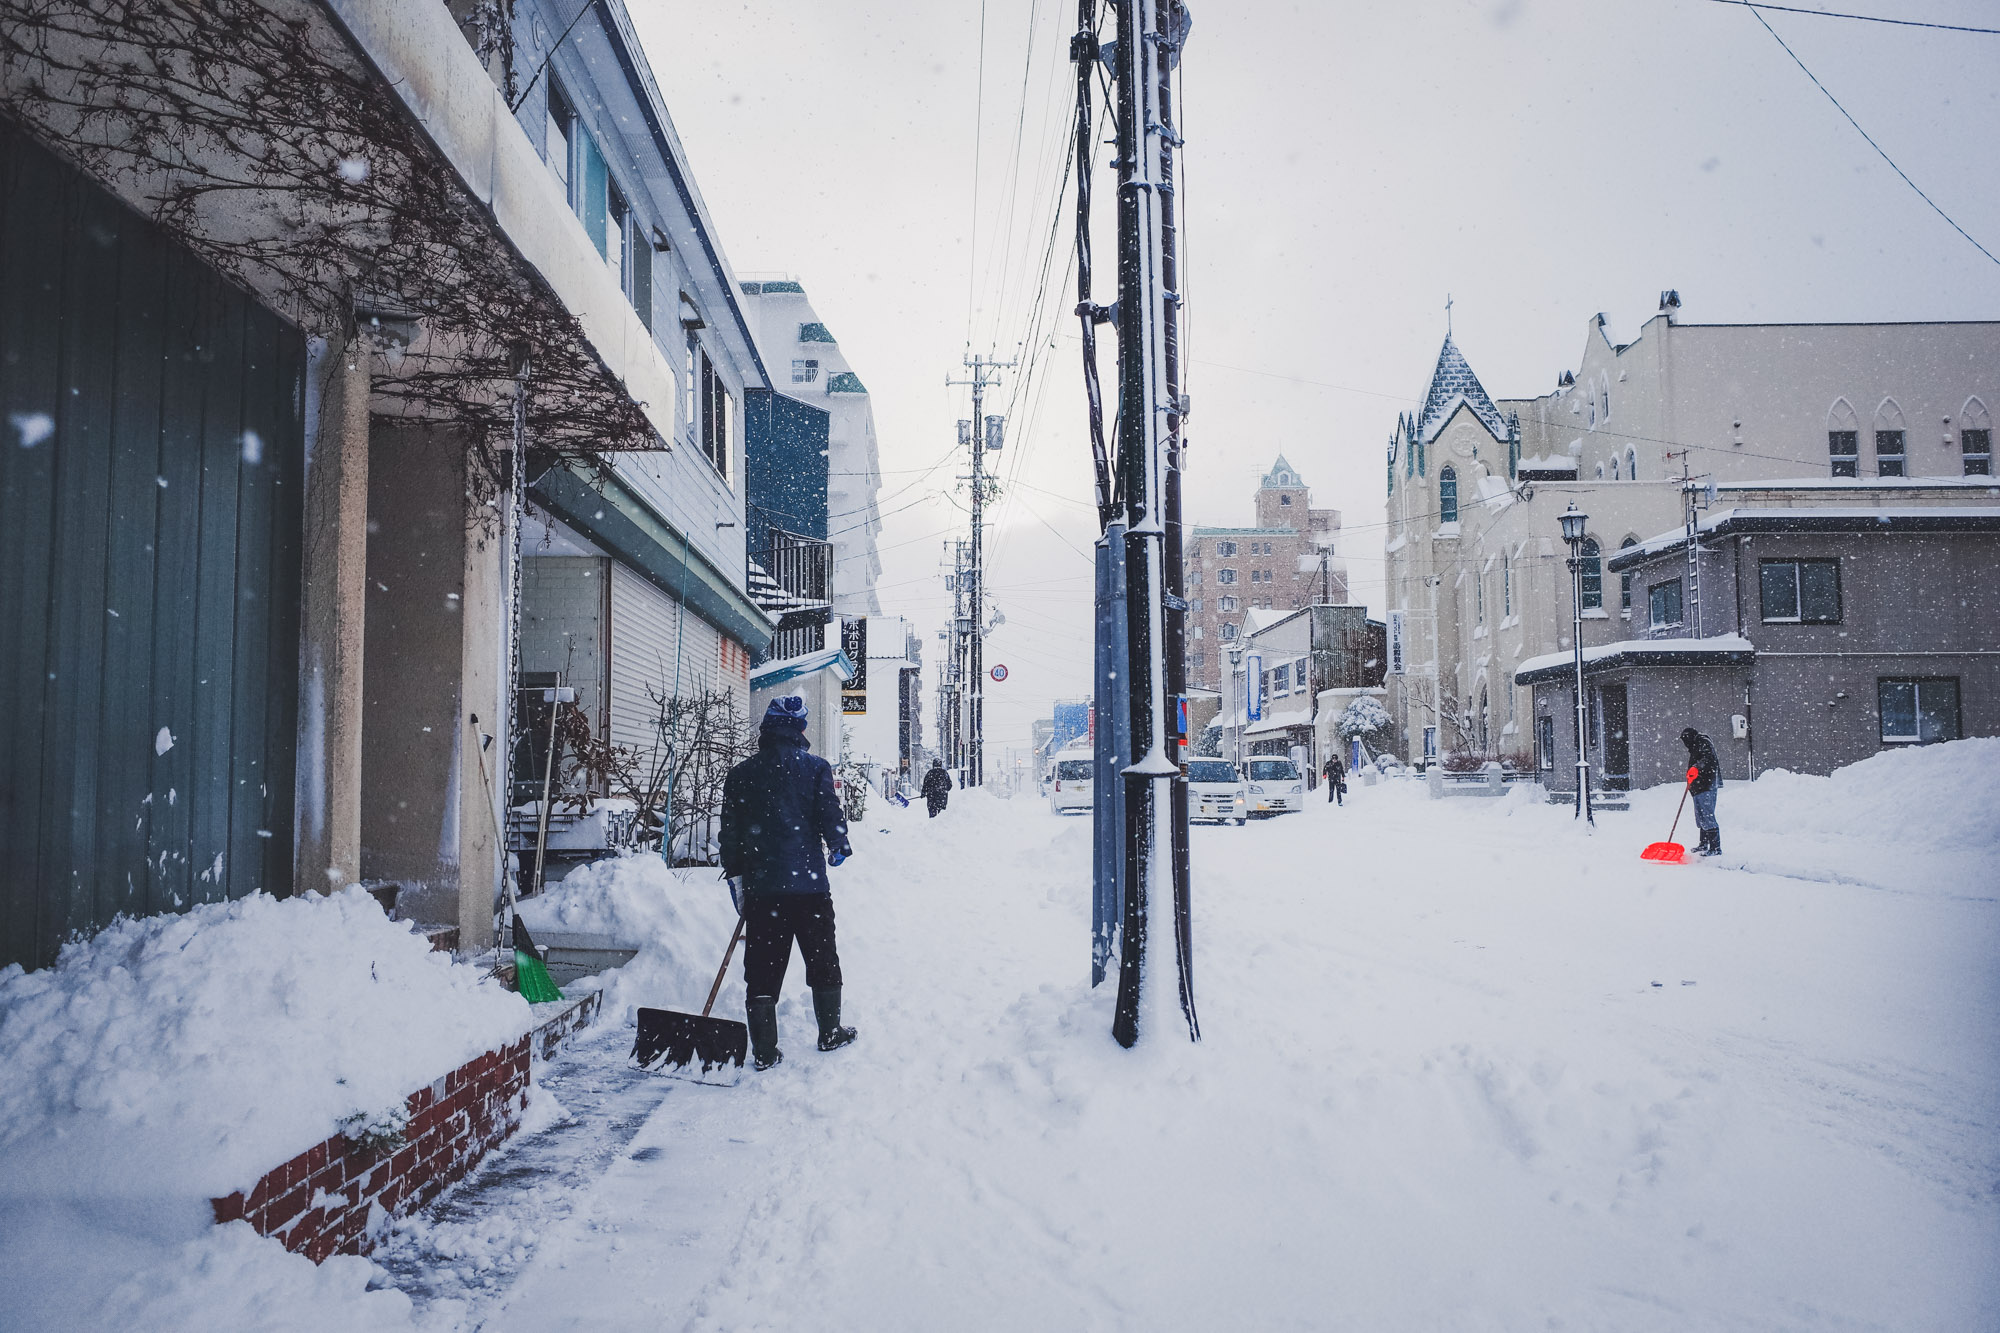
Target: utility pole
point(1141, 597)
point(983, 433)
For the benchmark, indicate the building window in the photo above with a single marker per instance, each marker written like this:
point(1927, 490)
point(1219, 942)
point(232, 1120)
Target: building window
point(1284, 499)
point(1631, 464)
point(805, 371)
point(1225, 576)
point(1299, 673)
point(1194, 579)
point(1197, 631)
point(1228, 633)
point(1447, 495)
point(1977, 447)
point(1506, 587)
point(1844, 447)
point(1800, 591)
point(1199, 661)
point(1545, 743)
point(1888, 453)
point(1614, 467)
point(1479, 597)
point(1197, 606)
point(1666, 603)
point(1225, 603)
point(1918, 711)
point(1625, 583)
point(561, 127)
point(715, 425)
point(618, 238)
point(1225, 548)
point(1593, 575)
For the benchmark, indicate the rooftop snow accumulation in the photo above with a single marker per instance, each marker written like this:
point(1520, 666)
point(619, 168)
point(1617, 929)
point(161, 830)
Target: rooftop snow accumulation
point(1723, 649)
point(1291, 717)
point(184, 1056)
point(1453, 383)
point(1829, 518)
point(1547, 463)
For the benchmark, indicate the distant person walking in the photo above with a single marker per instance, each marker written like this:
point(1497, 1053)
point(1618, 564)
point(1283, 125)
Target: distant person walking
point(1704, 781)
point(778, 808)
point(937, 787)
point(1335, 774)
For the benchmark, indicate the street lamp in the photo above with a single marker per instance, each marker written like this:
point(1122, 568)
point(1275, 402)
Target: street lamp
point(1572, 530)
point(1236, 661)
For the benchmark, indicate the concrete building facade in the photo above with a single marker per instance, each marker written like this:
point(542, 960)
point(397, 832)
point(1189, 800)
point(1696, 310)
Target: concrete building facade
point(1285, 560)
point(1476, 575)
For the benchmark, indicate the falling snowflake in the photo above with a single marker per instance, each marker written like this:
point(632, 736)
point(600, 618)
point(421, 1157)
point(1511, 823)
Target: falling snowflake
point(353, 170)
point(253, 447)
point(34, 427)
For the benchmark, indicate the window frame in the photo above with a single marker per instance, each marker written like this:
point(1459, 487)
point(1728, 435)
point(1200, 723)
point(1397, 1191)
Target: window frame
point(714, 431)
point(1226, 576)
point(1797, 564)
point(1916, 684)
point(1225, 549)
point(1447, 495)
point(1844, 462)
point(1977, 462)
point(1591, 556)
point(1654, 602)
point(1895, 461)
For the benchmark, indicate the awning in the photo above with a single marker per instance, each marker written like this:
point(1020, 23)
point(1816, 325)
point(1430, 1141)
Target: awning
point(1721, 650)
point(791, 668)
point(1298, 717)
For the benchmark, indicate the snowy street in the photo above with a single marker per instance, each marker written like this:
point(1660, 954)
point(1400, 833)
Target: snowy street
point(1517, 1079)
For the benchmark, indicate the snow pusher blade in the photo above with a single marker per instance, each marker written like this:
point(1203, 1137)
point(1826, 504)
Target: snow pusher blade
point(672, 1041)
point(668, 1041)
point(531, 975)
point(1665, 851)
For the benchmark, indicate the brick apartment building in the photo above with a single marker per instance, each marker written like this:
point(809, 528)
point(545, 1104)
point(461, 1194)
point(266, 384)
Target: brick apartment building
point(1285, 561)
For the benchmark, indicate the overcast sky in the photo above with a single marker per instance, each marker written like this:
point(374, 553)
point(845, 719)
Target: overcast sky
point(1347, 166)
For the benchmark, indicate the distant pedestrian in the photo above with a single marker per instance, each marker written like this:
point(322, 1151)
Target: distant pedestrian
point(937, 787)
point(1335, 774)
point(1704, 782)
point(778, 808)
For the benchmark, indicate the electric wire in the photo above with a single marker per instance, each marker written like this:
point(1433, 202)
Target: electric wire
point(1862, 18)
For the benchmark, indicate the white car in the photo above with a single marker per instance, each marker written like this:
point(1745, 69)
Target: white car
point(1275, 786)
point(1073, 785)
point(1216, 791)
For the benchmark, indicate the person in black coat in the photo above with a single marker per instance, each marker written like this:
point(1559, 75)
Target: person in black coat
point(778, 808)
point(1335, 773)
point(1704, 781)
point(937, 787)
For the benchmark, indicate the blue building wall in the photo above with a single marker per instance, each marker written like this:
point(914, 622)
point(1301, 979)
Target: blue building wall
point(785, 477)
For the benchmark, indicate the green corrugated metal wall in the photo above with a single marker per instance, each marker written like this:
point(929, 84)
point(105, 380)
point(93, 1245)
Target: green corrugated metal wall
point(151, 460)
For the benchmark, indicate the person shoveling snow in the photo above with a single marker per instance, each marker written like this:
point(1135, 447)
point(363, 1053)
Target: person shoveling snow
point(778, 808)
point(1704, 782)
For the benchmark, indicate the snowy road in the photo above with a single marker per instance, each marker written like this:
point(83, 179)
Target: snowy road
point(1465, 1068)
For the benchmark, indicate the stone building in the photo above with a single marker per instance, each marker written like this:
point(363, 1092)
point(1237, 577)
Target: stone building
point(1286, 560)
point(1476, 575)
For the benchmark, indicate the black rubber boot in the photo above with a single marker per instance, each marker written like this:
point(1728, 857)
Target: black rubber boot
point(761, 1011)
point(1715, 842)
point(826, 1007)
point(1709, 846)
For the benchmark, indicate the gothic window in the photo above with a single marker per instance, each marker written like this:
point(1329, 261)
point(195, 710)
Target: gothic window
point(1625, 582)
point(1631, 463)
point(1843, 439)
point(1447, 494)
point(1889, 439)
point(1593, 575)
point(1975, 439)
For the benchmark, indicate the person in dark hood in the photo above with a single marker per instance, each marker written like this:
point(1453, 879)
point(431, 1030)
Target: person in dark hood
point(1704, 781)
point(778, 808)
point(1335, 773)
point(937, 787)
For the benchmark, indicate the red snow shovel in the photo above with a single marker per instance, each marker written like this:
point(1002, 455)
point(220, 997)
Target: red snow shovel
point(1671, 851)
point(668, 1041)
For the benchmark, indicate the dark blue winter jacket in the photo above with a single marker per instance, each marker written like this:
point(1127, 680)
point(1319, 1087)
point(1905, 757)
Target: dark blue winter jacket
point(778, 807)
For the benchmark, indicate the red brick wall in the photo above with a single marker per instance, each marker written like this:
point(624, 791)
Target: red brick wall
point(452, 1124)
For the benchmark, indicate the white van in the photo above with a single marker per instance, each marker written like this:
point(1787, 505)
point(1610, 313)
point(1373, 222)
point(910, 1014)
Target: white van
point(1216, 791)
point(1275, 786)
point(1072, 781)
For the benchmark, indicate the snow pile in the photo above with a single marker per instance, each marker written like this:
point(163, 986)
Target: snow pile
point(184, 1056)
point(1938, 796)
point(679, 920)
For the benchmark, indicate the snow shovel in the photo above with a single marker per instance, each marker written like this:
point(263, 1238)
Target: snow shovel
point(1671, 851)
point(531, 974)
point(670, 1041)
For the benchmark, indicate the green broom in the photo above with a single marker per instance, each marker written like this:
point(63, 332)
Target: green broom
point(531, 975)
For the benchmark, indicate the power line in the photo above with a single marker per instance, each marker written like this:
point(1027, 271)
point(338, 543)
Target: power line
point(1864, 134)
point(1863, 18)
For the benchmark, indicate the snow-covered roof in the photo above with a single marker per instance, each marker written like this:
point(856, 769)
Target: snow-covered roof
point(805, 664)
point(774, 597)
point(1830, 518)
point(1719, 650)
point(1259, 618)
point(1291, 717)
point(1453, 383)
point(1547, 463)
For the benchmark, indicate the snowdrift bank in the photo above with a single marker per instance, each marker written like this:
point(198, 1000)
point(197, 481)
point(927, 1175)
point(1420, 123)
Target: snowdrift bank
point(186, 1055)
point(679, 920)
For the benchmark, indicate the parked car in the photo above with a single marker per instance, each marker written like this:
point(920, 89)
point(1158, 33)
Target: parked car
point(1074, 785)
point(1216, 791)
point(1275, 786)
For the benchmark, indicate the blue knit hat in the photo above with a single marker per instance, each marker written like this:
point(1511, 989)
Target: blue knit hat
point(788, 710)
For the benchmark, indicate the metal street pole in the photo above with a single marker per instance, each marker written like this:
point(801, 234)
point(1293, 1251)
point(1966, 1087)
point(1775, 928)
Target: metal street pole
point(1573, 535)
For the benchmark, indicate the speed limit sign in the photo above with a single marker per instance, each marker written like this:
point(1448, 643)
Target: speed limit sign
point(999, 671)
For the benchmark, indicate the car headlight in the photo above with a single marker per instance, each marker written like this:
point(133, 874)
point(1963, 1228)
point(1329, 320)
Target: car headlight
point(1256, 790)
point(1296, 789)
point(1239, 798)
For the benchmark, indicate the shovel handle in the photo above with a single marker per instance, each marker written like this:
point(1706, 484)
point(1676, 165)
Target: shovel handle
point(723, 971)
point(1677, 811)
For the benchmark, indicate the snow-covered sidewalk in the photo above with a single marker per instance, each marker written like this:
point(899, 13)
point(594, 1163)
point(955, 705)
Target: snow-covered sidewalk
point(1466, 1067)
